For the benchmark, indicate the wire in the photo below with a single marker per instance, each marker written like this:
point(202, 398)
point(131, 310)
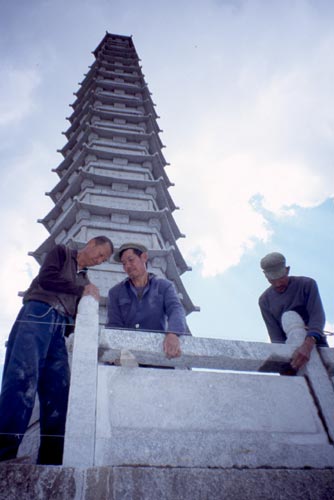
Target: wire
point(19, 434)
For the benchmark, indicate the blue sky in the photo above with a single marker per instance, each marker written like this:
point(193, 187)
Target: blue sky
point(244, 90)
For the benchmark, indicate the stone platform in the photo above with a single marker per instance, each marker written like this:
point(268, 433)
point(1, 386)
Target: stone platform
point(31, 482)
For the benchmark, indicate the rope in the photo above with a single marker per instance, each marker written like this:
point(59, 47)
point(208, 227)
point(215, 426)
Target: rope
point(21, 434)
point(326, 333)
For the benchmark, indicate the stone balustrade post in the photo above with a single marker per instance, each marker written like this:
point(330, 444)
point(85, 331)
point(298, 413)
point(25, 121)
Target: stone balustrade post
point(80, 423)
point(322, 388)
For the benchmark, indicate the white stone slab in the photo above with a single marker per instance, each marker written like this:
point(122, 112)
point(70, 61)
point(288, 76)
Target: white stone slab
point(164, 417)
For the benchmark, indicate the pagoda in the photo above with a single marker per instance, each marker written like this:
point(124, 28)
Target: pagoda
point(209, 428)
point(112, 178)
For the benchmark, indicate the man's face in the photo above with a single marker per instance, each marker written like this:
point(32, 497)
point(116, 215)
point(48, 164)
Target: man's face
point(96, 254)
point(281, 284)
point(134, 265)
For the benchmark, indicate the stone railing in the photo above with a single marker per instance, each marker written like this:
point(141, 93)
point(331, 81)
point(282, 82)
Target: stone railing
point(224, 404)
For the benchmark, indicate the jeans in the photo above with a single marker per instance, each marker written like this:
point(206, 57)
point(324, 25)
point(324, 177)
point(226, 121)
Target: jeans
point(36, 362)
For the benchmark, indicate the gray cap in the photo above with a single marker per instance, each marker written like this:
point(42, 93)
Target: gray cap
point(273, 265)
point(128, 246)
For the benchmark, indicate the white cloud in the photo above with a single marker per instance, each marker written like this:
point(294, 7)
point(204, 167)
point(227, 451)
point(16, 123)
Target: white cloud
point(22, 195)
point(17, 88)
point(246, 100)
point(270, 136)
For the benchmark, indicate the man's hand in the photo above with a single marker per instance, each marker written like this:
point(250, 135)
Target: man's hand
point(92, 290)
point(172, 346)
point(302, 354)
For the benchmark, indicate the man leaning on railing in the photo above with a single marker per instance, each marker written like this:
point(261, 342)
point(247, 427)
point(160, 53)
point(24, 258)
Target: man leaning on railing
point(146, 302)
point(36, 358)
point(292, 310)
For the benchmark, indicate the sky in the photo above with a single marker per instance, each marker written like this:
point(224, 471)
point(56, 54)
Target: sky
point(244, 91)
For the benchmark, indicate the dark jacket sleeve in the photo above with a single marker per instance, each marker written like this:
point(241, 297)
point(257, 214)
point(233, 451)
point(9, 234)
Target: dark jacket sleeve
point(315, 309)
point(174, 311)
point(50, 275)
point(113, 310)
point(274, 328)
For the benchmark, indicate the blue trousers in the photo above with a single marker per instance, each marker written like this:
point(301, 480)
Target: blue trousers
point(36, 362)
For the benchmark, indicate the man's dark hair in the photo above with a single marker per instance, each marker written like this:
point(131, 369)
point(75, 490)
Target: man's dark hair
point(135, 251)
point(101, 240)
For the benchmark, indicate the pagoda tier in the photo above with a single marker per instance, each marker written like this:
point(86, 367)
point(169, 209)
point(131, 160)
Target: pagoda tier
point(112, 178)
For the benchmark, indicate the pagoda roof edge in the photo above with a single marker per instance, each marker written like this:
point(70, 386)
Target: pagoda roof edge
point(110, 35)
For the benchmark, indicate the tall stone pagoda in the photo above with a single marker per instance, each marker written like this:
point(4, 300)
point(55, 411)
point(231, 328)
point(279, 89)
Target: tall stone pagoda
point(216, 431)
point(113, 179)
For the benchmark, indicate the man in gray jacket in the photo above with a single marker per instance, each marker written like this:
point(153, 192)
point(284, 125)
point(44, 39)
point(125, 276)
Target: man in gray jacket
point(292, 309)
point(36, 357)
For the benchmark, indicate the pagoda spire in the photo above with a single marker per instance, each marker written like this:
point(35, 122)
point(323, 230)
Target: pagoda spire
point(112, 178)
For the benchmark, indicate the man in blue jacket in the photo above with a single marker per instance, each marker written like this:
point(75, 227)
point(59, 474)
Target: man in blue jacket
point(145, 302)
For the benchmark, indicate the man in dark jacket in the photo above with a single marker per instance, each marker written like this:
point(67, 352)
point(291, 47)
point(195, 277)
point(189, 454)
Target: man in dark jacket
point(145, 302)
point(36, 357)
point(291, 308)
